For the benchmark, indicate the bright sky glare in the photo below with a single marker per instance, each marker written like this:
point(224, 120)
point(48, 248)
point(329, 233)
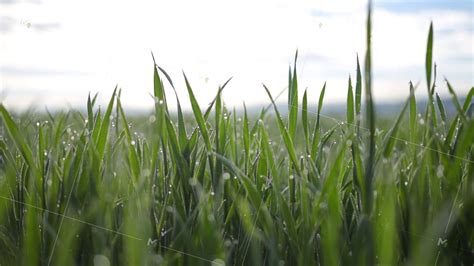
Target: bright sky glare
point(54, 52)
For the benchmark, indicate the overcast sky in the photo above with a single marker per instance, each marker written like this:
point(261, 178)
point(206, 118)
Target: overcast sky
point(53, 52)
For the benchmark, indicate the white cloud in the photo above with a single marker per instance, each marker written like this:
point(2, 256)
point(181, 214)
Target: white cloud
point(211, 40)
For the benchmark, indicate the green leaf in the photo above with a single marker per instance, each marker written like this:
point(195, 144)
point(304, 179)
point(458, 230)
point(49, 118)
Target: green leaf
point(286, 137)
point(429, 57)
point(358, 92)
point(441, 108)
point(391, 136)
point(18, 138)
point(350, 105)
point(412, 114)
point(317, 129)
point(101, 141)
point(304, 118)
point(293, 102)
point(198, 116)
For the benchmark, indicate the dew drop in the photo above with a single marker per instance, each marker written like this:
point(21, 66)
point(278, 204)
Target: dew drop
point(216, 262)
point(439, 171)
point(151, 119)
point(101, 260)
point(226, 176)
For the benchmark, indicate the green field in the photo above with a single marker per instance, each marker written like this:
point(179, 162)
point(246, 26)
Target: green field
point(215, 186)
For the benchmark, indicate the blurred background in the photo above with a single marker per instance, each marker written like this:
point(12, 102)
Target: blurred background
point(53, 53)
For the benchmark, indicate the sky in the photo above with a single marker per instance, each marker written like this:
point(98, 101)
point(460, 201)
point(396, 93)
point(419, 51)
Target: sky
point(54, 53)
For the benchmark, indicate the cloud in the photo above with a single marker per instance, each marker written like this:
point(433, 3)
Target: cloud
point(6, 24)
point(28, 71)
point(254, 41)
point(13, 2)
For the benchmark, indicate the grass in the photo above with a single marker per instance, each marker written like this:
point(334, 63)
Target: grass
point(215, 188)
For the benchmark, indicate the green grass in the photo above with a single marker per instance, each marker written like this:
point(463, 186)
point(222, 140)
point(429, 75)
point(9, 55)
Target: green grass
point(218, 187)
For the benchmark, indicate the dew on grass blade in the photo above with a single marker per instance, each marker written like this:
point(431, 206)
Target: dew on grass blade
point(101, 260)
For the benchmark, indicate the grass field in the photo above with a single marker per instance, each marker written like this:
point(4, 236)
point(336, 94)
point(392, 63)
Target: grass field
point(217, 187)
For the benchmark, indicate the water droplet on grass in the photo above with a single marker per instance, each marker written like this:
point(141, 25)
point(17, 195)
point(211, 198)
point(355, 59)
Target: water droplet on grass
point(217, 262)
point(192, 182)
point(101, 260)
point(151, 119)
point(439, 171)
point(226, 176)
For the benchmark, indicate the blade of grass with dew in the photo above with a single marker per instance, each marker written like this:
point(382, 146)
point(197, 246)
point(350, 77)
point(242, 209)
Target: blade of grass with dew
point(317, 129)
point(246, 140)
point(304, 119)
point(441, 109)
point(350, 106)
point(293, 101)
point(132, 153)
point(358, 93)
point(198, 116)
point(429, 58)
point(391, 136)
point(20, 141)
point(457, 105)
point(370, 117)
point(368, 254)
point(285, 135)
point(101, 140)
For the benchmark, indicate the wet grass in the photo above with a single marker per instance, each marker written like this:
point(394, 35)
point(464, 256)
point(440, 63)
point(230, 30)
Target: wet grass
point(217, 187)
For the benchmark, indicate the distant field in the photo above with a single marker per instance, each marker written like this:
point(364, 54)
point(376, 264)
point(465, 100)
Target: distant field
point(275, 187)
